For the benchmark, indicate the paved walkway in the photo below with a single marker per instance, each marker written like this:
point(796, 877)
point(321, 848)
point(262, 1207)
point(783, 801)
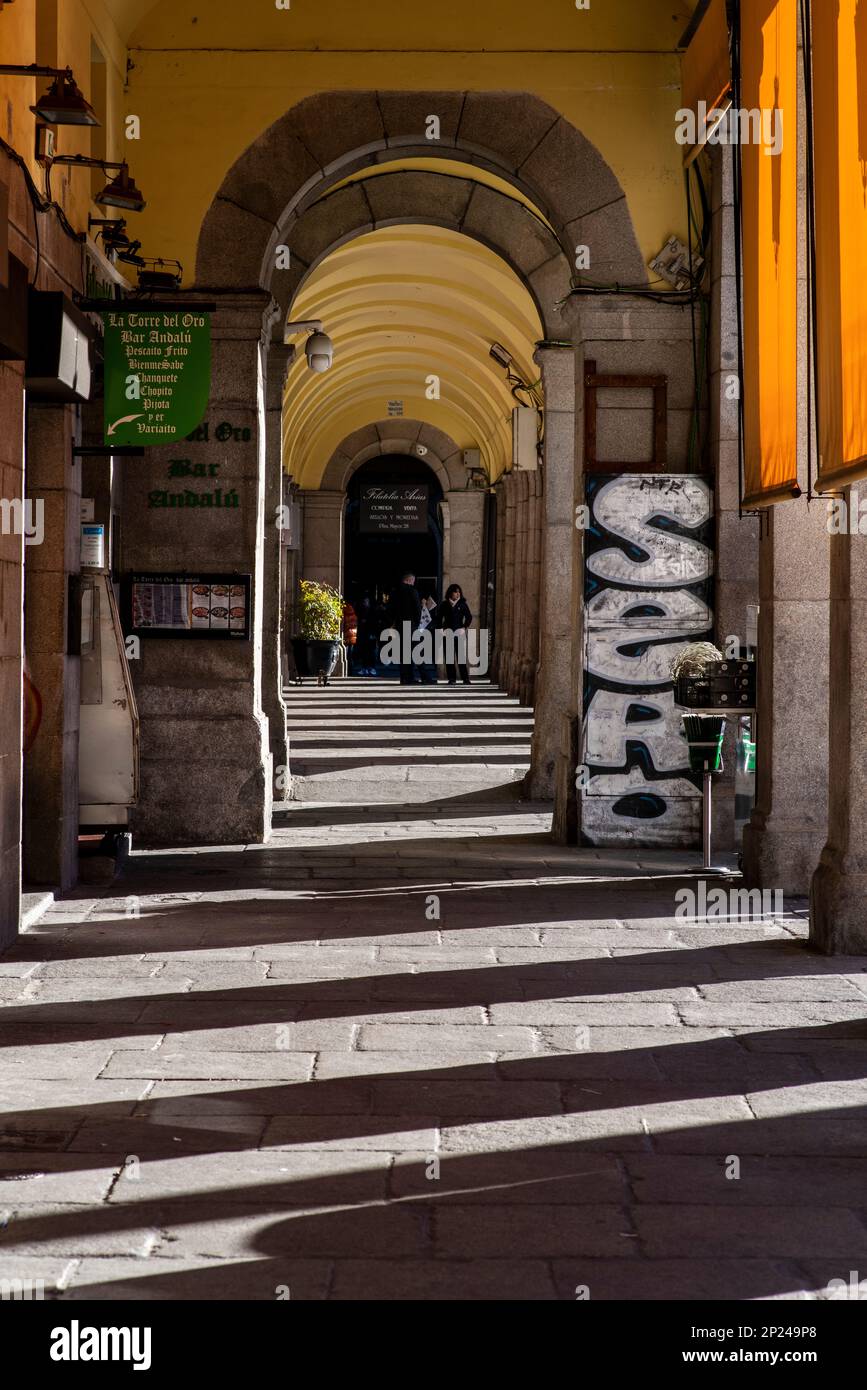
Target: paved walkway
point(414, 1052)
point(366, 741)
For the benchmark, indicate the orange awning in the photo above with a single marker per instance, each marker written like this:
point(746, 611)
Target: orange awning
point(769, 220)
point(706, 66)
point(839, 48)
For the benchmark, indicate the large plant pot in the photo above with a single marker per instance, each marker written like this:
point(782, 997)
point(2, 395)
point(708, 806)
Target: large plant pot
point(313, 656)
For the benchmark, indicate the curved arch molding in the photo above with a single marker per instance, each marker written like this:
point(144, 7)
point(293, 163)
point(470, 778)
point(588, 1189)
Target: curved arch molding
point(289, 171)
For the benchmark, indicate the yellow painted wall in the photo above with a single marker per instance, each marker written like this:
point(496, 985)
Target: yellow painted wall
point(59, 33)
point(208, 78)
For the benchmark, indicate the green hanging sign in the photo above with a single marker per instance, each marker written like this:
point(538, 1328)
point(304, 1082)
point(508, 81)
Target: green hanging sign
point(157, 374)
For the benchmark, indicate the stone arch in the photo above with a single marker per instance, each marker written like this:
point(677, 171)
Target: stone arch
point(384, 437)
point(505, 225)
point(288, 175)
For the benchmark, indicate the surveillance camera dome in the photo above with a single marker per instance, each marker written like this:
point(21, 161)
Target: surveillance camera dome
point(320, 352)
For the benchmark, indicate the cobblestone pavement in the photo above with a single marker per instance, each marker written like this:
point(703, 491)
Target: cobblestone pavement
point(416, 1052)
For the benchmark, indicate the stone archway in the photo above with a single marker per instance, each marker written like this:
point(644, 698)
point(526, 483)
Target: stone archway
point(283, 191)
point(438, 450)
point(463, 508)
point(327, 137)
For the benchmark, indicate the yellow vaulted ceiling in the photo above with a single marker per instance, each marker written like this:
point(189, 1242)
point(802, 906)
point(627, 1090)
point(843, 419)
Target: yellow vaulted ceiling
point(403, 304)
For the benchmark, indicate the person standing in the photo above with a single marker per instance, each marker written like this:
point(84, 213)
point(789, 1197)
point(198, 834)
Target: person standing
point(405, 608)
point(453, 615)
point(426, 625)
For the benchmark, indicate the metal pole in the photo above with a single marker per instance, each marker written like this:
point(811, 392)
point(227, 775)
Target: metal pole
point(706, 817)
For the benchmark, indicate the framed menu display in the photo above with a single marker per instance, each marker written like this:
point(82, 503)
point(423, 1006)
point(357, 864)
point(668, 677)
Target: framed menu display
point(187, 605)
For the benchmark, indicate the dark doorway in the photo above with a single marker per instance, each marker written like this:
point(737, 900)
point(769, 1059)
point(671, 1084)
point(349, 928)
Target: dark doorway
point(393, 527)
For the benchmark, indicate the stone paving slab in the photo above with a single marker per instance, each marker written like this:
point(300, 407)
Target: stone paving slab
point(313, 1179)
point(158, 1278)
point(687, 1278)
point(50, 1177)
point(285, 1075)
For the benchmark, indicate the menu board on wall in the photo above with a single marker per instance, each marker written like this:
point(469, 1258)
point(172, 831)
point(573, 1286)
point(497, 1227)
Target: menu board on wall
point(188, 605)
point(393, 508)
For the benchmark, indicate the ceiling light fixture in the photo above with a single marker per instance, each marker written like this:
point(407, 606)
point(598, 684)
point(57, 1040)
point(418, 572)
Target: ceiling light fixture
point(64, 103)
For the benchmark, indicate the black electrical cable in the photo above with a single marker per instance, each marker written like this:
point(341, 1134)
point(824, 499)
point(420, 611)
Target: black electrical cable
point(694, 427)
point(40, 204)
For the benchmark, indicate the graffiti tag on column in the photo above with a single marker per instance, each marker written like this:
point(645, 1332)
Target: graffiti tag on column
point(648, 577)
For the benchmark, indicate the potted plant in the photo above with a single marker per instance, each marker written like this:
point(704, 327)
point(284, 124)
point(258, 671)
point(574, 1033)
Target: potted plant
point(318, 618)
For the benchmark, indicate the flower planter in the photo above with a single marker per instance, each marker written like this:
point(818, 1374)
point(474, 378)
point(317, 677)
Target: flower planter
point(315, 657)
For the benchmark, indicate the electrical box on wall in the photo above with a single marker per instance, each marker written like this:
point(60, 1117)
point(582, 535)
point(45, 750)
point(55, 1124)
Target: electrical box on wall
point(59, 358)
point(525, 437)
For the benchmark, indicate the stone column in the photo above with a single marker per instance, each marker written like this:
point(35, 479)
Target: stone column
point(507, 671)
point(277, 364)
point(534, 568)
point(499, 580)
point(838, 893)
point(521, 542)
point(50, 840)
point(206, 774)
point(558, 652)
point(11, 646)
point(784, 838)
point(467, 525)
point(566, 821)
point(323, 536)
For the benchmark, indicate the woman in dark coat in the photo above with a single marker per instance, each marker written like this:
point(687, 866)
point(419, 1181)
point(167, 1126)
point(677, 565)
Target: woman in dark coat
point(453, 615)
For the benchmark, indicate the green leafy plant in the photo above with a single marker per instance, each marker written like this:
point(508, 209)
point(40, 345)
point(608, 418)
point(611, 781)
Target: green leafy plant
point(319, 612)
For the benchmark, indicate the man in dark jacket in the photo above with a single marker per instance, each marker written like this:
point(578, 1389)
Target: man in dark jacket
point(405, 608)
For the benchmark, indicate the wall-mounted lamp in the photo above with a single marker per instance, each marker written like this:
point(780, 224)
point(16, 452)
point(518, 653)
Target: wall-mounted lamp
point(154, 274)
point(120, 192)
point(64, 103)
point(129, 254)
point(319, 349)
point(112, 231)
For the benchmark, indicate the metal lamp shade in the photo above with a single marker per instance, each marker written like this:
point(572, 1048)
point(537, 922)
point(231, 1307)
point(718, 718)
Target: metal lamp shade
point(65, 104)
point(122, 193)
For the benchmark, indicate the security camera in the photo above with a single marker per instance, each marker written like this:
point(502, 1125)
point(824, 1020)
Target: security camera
point(320, 352)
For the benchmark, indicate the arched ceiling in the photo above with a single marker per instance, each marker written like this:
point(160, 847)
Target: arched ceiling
point(402, 304)
point(455, 168)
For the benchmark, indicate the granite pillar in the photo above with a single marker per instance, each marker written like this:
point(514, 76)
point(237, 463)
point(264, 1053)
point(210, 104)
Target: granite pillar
point(323, 536)
point(11, 647)
point(206, 775)
point(53, 481)
point(558, 651)
point(467, 529)
point(838, 892)
point(279, 356)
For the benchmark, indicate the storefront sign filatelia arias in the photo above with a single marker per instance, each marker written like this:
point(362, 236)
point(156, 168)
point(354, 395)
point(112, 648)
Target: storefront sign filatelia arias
point(157, 374)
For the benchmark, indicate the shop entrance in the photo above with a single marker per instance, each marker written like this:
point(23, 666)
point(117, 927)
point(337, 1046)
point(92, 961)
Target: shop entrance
point(393, 527)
